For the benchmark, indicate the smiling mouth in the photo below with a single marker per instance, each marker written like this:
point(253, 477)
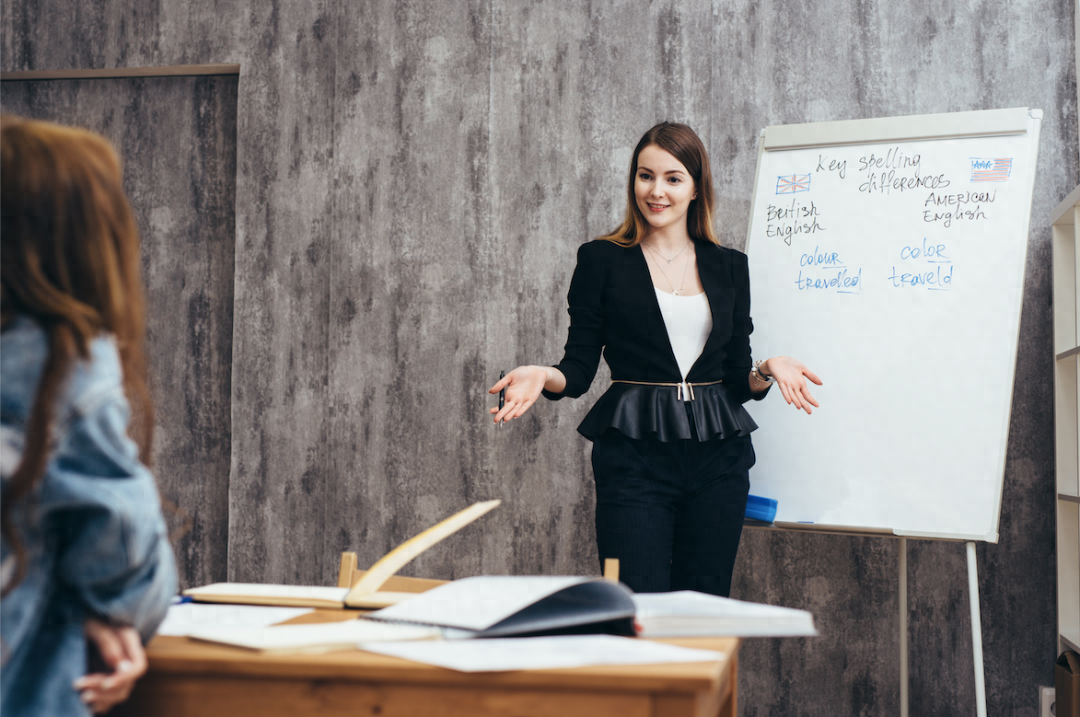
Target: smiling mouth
point(657, 207)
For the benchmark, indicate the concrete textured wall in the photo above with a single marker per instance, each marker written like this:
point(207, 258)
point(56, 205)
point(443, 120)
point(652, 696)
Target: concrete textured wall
point(412, 179)
point(178, 138)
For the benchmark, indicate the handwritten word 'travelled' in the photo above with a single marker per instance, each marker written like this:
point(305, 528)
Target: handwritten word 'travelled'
point(841, 282)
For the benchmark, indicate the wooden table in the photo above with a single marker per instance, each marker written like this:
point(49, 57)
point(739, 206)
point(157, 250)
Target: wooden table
point(188, 678)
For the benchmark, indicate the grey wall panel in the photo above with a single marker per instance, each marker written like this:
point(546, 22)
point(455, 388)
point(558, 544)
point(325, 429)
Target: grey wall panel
point(279, 485)
point(543, 146)
point(177, 138)
point(407, 286)
point(412, 182)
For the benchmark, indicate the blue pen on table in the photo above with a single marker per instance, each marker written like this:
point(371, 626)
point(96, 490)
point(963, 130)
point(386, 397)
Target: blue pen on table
point(502, 397)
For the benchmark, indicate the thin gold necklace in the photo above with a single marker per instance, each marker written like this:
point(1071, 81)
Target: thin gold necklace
point(682, 282)
point(654, 251)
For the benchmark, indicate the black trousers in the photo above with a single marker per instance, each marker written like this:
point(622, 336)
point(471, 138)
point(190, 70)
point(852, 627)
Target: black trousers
point(672, 513)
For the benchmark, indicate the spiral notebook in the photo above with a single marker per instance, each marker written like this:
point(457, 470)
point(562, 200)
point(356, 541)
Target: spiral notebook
point(519, 606)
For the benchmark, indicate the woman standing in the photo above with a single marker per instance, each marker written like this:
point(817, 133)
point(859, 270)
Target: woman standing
point(86, 562)
point(669, 308)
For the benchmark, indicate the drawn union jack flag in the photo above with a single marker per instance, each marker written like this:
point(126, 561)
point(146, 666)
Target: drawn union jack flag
point(793, 183)
point(990, 170)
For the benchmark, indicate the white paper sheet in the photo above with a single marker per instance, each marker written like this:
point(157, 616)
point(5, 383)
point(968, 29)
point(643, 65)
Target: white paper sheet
point(184, 618)
point(538, 653)
point(260, 590)
point(318, 637)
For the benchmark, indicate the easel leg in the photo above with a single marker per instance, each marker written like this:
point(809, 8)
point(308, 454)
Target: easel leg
point(976, 631)
point(903, 630)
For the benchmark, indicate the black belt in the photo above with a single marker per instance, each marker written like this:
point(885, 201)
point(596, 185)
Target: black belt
point(686, 389)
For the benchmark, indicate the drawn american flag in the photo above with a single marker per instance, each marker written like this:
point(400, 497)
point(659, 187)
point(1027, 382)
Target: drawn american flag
point(793, 183)
point(990, 170)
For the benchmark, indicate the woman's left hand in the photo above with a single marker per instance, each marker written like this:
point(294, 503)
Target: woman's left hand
point(122, 652)
point(789, 374)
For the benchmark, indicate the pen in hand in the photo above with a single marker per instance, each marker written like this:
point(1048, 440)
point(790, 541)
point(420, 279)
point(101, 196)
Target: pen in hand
point(502, 398)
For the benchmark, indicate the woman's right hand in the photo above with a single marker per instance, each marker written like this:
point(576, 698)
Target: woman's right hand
point(523, 386)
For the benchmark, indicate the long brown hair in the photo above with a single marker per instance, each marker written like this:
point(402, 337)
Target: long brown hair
point(71, 264)
point(682, 143)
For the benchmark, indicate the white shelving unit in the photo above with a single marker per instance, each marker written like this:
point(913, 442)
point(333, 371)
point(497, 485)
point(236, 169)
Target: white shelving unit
point(1066, 240)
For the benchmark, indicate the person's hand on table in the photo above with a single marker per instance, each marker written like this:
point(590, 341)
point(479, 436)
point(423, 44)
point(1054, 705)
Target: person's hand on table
point(122, 652)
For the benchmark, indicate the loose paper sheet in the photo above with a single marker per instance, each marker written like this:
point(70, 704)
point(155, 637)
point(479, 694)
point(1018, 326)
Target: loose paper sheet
point(260, 590)
point(318, 637)
point(183, 619)
point(539, 653)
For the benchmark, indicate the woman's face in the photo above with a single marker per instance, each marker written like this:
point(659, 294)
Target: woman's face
point(663, 188)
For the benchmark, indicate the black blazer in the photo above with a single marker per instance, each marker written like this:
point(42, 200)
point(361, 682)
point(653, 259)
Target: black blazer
point(613, 309)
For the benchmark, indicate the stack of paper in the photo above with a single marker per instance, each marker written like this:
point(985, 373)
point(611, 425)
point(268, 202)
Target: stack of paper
point(689, 614)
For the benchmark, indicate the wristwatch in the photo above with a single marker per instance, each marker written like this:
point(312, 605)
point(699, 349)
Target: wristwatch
point(759, 375)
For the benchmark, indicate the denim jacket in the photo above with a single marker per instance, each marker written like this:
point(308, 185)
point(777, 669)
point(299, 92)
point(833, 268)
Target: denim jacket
point(92, 528)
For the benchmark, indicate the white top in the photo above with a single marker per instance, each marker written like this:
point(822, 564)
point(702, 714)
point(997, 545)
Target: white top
point(689, 323)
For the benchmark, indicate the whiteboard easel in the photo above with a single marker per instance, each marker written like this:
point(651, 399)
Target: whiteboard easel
point(889, 253)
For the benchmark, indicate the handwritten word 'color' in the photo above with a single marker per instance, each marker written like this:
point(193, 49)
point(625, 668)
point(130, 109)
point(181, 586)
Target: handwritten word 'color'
point(932, 252)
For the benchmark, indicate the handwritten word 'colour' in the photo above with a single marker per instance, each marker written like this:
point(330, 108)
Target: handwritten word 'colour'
point(821, 258)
